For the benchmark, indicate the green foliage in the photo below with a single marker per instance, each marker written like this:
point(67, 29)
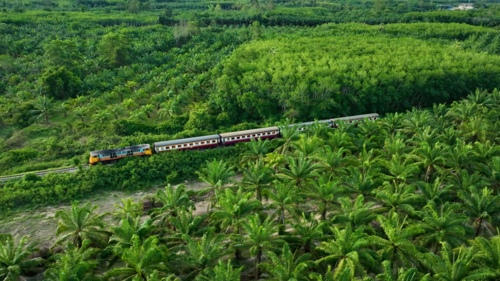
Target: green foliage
point(60, 83)
point(75, 264)
point(323, 82)
point(15, 257)
point(79, 224)
point(114, 47)
point(62, 53)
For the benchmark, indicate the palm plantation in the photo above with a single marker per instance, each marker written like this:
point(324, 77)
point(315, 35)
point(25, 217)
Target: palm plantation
point(403, 198)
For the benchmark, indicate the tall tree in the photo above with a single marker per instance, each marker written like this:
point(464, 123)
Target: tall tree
point(62, 53)
point(114, 47)
point(43, 109)
point(204, 253)
point(325, 193)
point(299, 170)
point(482, 207)
point(287, 266)
point(80, 223)
point(349, 250)
point(172, 200)
point(232, 208)
point(141, 260)
point(260, 237)
point(258, 177)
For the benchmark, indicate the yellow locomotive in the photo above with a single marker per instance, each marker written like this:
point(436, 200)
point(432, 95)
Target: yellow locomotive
point(111, 155)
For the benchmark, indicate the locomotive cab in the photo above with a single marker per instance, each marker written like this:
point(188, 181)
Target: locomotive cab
point(94, 159)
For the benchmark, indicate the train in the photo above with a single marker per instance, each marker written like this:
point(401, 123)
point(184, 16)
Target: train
point(210, 141)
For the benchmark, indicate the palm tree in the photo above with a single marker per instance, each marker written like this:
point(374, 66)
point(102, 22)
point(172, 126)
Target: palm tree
point(435, 192)
point(102, 117)
point(129, 104)
point(429, 158)
point(116, 110)
point(492, 171)
point(260, 237)
point(395, 145)
point(137, 115)
point(185, 223)
point(172, 199)
point(349, 250)
point(357, 213)
point(307, 231)
point(359, 183)
point(257, 178)
point(306, 146)
point(443, 225)
point(81, 113)
point(477, 129)
point(15, 259)
point(127, 208)
point(80, 223)
point(232, 208)
point(284, 197)
point(130, 227)
point(205, 253)
point(222, 272)
point(416, 119)
point(456, 265)
point(325, 193)
point(43, 109)
point(397, 247)
point(459, 156)
point(489, 253)
point(334, 161)
point(80, 100)
point(396, 197)
point(289, 133)
point(121, 91)
point(64, 107)
point(392, 122)
point(482, 207)
point(340, 140)
point(141, 259)
point(158, 99)
point(256, 150)
point(217, 174)
point(148, 109)
point(398, 169)
point(74, 264)
point(483, 152)
point(411, 274)
point(287, 266)
point(299, 170)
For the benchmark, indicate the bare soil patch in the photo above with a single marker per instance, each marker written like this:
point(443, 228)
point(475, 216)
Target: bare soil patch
point(41, 225)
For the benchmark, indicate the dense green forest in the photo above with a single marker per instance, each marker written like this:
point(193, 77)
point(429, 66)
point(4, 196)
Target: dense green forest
point(412, 196)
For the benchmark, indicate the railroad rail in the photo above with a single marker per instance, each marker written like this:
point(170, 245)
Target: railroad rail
point(43, 173)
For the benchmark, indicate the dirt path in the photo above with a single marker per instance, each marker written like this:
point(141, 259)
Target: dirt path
point(41, 225)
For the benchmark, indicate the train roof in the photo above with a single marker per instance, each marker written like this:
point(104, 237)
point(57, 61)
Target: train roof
point(246, 132)
point(363, 116)
point(195, 139)
point(109, 151)
point(309, 123)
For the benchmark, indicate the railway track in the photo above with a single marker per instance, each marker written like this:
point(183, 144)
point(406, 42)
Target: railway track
point(43, 173)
